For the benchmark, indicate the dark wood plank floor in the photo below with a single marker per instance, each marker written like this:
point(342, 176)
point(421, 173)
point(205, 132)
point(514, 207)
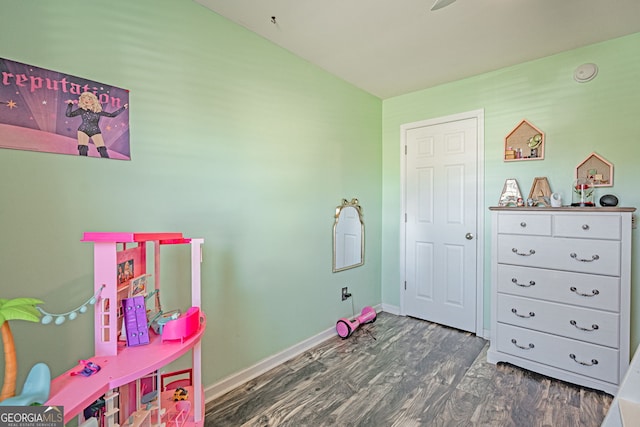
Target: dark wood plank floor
point(405, 372)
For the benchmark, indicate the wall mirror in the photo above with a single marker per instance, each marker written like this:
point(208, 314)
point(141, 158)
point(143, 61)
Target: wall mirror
point(348, 236)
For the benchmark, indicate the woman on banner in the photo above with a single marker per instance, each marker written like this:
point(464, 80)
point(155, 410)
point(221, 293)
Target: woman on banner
point(90, 110)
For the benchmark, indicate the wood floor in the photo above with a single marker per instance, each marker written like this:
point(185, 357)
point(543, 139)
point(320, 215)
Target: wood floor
point(400, 371)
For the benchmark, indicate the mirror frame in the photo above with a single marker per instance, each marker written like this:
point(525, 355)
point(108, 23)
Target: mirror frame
point(339, 210)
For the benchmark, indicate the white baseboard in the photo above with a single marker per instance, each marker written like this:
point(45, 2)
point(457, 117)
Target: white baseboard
point(391, 309)
point(237, 379)
point(487, 334)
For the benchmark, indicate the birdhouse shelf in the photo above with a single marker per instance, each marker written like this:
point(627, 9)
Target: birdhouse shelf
point(524, 142)
point(597, 169)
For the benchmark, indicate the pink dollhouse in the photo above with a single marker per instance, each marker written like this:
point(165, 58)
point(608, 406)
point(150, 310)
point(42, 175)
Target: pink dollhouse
point(129, 378)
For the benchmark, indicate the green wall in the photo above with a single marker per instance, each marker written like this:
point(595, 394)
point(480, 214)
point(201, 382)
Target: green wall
point(233, 139)
point(578, 119)
point(239, 142)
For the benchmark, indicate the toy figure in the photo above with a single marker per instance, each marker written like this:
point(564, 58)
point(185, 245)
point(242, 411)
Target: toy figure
point(90, 110)
point(181, 393)
point(89, 369)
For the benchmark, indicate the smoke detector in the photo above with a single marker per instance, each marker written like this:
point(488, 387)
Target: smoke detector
point(585, 73)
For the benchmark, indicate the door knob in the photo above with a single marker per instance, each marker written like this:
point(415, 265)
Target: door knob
point(469, 236)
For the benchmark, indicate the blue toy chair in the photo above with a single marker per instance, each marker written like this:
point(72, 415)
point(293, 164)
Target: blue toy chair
point(35, 389)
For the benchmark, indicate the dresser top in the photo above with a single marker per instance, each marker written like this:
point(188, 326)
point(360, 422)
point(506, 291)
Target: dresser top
point(562, 209)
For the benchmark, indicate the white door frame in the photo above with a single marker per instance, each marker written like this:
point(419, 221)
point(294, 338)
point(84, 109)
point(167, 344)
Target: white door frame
point(479, 115)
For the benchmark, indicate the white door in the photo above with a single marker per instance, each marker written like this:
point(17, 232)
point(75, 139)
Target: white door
point(441, 220)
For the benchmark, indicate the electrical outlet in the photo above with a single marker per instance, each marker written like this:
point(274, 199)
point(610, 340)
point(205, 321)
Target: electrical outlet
point(345, 293)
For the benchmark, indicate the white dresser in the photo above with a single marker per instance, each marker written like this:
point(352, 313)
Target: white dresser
point(560, 292)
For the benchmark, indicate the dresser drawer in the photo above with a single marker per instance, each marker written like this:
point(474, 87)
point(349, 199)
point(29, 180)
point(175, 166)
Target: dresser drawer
point(570, 355)
point(525, 224)
point(587, 290)
point(594, 326)
point(588, 226)
point(583, 256)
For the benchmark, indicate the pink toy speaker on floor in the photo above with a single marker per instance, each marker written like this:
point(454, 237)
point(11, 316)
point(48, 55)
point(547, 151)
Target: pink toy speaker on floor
point(345, 327)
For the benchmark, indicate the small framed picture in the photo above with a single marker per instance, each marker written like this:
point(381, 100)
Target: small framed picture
point(125, 271)
point(138, 286)
point(130, 264)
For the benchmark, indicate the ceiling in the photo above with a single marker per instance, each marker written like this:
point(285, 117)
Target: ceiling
point(392, 47)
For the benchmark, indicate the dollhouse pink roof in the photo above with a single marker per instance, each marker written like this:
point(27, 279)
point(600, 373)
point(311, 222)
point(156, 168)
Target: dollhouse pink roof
point(134, 237)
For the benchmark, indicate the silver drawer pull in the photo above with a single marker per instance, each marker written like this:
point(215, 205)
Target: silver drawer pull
point(593, 258)
point(524, 316)
point(523, 224)
point(515, 251)
point(594, 327)
point(592, 294)
point(585, 227)
point(529, 347)
point(515, 282)
point(593, 361)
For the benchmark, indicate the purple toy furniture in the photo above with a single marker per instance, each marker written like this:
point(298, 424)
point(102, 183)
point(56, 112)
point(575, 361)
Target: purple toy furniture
point(135, 320)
